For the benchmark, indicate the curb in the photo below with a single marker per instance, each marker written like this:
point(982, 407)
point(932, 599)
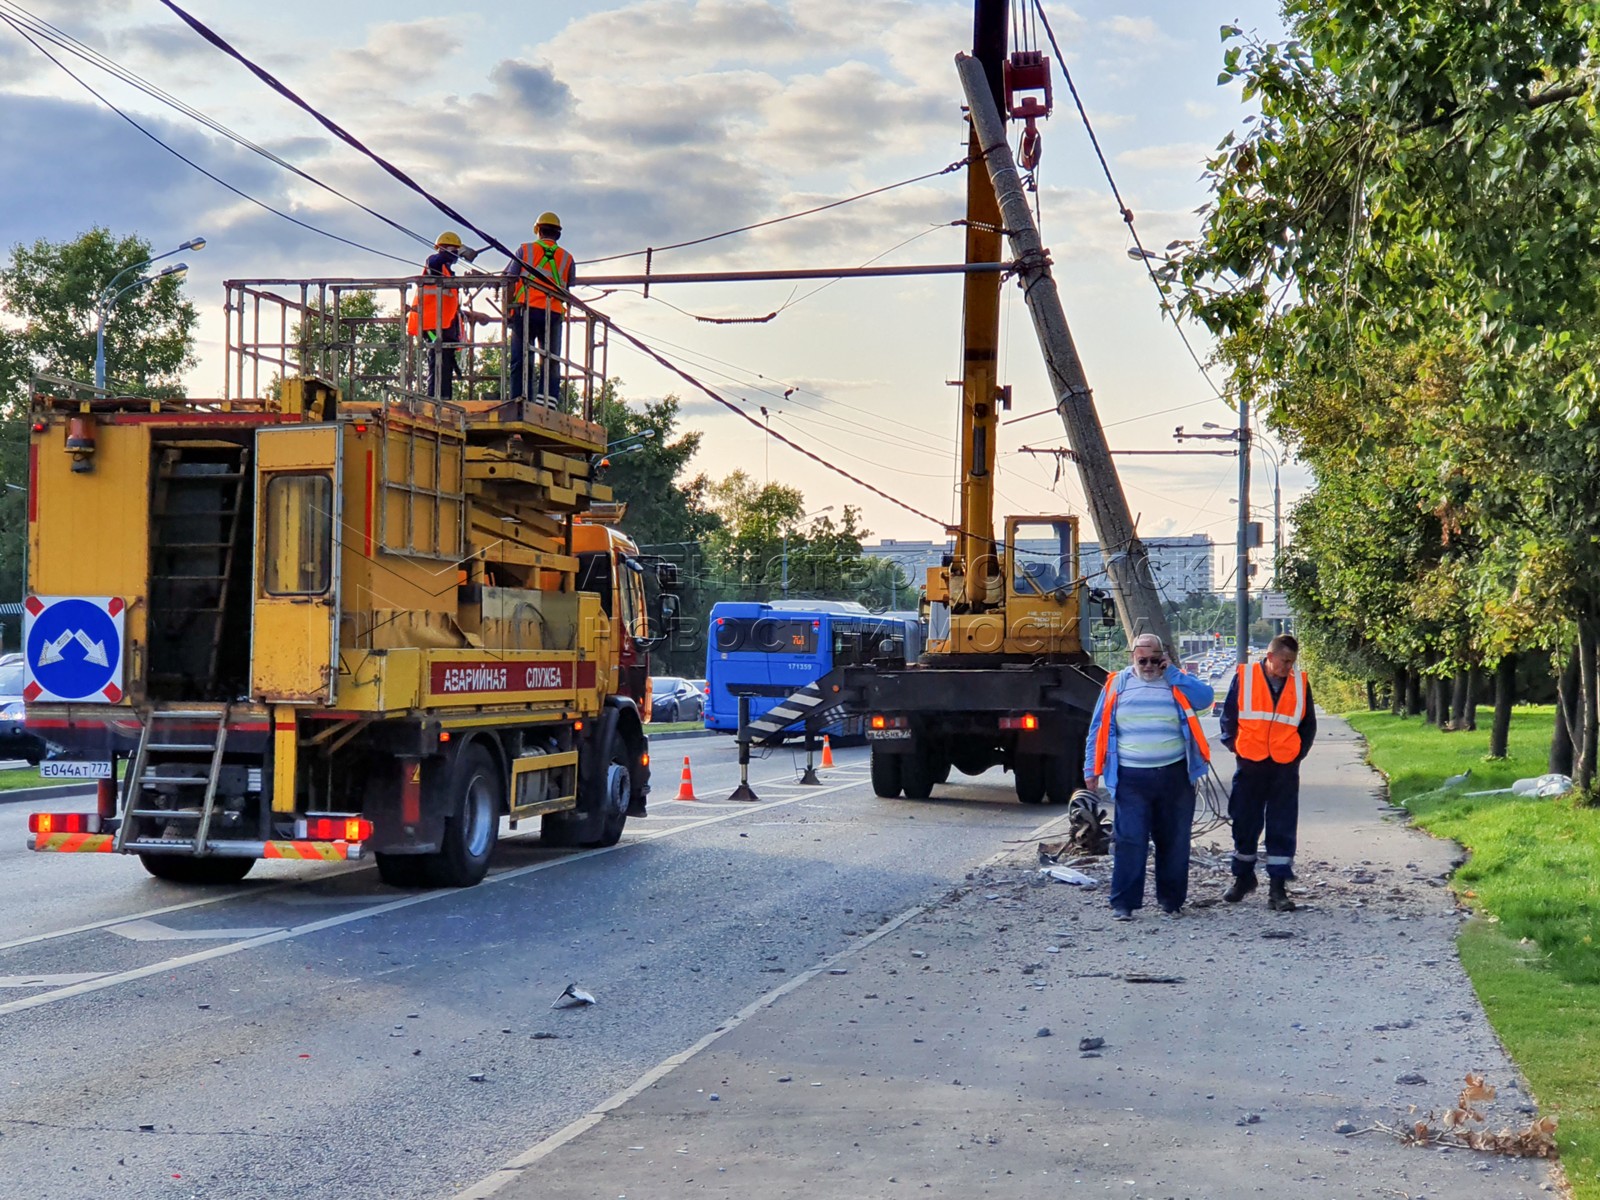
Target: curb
point(683, 733)
point(59, 791)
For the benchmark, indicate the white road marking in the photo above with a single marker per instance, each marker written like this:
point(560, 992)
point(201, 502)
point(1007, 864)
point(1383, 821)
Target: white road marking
point(154, 931)
point(514, 1169)
point(248, 891)
point(279, 935)
point(33, 981)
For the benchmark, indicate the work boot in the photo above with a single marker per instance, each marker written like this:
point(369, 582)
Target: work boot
point(1242, 886)
point(1278, 896)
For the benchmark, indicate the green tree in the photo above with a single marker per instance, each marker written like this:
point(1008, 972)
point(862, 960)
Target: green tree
point(1412, 184)
point(49, 290)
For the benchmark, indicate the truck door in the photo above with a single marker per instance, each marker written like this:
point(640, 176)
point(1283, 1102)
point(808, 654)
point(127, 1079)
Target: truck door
point(293, 651)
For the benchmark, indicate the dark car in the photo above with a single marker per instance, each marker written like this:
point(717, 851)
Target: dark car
point(673, 699)
point(15, 741)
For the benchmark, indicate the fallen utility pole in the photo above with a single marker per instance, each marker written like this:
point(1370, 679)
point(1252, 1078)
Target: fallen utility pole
point(1126, 559)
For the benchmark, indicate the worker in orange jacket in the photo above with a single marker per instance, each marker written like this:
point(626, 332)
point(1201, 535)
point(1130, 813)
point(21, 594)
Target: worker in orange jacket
point(542, 276)
point(435, 318)
point(1269, 722)
point(1146, 744)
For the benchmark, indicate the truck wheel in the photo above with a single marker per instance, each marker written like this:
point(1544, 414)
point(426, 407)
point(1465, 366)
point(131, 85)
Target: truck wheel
point(403, 870)
point(599, 804)
point(942, 775)
point(176, 868)
point(885, 773)
point(1062, 777)
point(1030, 772)
point(614, 803)
point(472, 825)
point(918, 773)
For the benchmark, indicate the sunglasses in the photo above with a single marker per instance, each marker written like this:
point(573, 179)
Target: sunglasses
point(1148, 662)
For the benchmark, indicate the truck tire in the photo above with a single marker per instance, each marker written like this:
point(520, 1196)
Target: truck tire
point(1063, 775)
point(472, 824)
point(885, 773)
point(919, 771)
point(1029, 770)
point(202, 872)
point(598, 807)
point(403, 870)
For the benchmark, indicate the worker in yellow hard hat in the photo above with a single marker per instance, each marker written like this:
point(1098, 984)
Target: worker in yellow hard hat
point(542, 275)
point(435, 318)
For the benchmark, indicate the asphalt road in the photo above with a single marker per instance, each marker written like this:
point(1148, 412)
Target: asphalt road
point(313, 1032)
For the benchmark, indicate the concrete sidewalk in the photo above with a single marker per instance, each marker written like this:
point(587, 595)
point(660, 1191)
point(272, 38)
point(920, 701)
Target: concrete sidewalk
point(1245, 1052)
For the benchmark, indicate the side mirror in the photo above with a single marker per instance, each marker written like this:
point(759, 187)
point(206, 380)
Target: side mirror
point(671, 611)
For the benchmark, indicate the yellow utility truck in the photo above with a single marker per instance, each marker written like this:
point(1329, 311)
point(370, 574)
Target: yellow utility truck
point(327, 615)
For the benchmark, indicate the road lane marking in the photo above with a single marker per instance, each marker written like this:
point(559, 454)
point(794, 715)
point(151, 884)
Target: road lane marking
point(154, 931)
point(279, 935)
point(251, 890)
point(514, 1169)
point(34, 981)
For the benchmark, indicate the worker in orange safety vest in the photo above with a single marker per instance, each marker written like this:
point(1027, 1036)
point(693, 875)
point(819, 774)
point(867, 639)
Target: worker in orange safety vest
point(435, 317)
point(536, 307)
point(1269, 722)
point(1146, 744)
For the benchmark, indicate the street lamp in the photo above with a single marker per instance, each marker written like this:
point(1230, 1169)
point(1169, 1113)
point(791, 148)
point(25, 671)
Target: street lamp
point(1241, 589)
point(111, 294)
point(807, 517)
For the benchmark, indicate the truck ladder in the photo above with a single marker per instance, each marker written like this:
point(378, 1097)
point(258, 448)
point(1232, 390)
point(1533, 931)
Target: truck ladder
point(195, 511)
point(146, 775)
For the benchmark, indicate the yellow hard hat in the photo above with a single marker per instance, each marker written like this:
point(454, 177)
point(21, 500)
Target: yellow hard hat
point(548, 218)
point(448, 238)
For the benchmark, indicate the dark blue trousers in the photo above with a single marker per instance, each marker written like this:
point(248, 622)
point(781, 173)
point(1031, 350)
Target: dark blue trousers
point(537, 368)
point(1154, 804)
point(1265, 796)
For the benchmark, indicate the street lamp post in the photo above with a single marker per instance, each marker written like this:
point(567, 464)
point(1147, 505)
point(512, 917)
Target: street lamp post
point(111, 294)
point(1241, 585)
point(807, 517)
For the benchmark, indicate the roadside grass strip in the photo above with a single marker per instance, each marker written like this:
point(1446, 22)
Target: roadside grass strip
point(1534, 880)
point(22, 777)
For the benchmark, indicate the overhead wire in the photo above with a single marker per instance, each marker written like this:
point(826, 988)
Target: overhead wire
point(1122, 206)
point(809, 212)
point(185, 159)
point(95, 58)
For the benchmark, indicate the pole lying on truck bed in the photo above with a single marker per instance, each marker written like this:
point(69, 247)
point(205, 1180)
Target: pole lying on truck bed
point(1127, 561)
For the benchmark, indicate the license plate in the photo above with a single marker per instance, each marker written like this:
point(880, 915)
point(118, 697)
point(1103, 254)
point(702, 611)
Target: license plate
point(74, 770)
point(888, 735)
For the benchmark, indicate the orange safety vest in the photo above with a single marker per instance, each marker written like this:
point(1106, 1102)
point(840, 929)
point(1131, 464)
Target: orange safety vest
point(548, 261)
point(1269, 729)
point(1108, 711)
point(436, 308)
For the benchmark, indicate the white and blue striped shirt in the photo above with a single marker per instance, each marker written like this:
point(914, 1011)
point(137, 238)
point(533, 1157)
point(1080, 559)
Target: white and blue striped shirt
point(1149, 730)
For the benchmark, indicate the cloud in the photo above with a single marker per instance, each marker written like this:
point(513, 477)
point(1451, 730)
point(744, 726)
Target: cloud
point(664, 34)
point(1164, 158)
point(531, 87)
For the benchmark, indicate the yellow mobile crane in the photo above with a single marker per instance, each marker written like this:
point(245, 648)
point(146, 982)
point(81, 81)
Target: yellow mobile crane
point(327, 615)
point(1006, 679)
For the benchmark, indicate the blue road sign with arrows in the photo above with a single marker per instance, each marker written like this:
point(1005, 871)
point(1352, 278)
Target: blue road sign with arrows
point(72, 647)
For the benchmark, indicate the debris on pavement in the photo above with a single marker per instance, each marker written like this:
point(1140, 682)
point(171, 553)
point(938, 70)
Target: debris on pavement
point(1091, 1043)
point(573, 997)
point(1068, 875)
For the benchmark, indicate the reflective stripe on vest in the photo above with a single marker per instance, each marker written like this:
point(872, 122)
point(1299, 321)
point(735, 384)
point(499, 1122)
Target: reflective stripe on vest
point(550, 262)
point(436, 308)
point(1108, 710)
point(1269, 729)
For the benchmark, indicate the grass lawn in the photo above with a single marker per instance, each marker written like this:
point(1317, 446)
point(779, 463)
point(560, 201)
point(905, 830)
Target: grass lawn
point(21, 777)
point(1534, 878)
point(673, 727)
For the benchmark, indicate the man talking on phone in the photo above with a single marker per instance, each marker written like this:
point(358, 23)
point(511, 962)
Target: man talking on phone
point(1146, 745)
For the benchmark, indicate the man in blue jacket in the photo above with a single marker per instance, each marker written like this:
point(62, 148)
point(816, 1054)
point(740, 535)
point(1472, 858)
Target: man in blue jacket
point(1146, 745)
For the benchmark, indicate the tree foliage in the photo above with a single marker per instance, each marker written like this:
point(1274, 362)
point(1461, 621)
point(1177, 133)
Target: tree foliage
point(1400, 266)
point(49, 293)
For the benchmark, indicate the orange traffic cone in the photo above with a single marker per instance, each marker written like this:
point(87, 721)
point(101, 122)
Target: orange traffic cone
point(685, 783)
point(827, 752)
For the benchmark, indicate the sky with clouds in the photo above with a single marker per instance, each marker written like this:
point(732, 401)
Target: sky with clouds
point(656, 121)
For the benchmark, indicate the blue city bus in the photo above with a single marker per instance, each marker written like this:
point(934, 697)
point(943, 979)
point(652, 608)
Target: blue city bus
point(768, 651)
